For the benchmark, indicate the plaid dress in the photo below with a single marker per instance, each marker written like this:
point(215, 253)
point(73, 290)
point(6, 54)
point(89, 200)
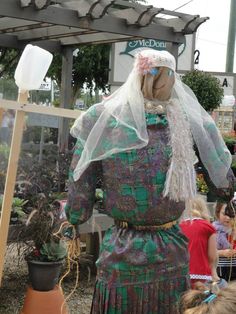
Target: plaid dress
point(138, 272)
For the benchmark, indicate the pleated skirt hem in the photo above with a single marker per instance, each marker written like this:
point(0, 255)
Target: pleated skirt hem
point(159, 297)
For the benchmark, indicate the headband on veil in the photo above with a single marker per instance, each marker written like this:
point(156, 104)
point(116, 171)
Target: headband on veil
point(123, 112)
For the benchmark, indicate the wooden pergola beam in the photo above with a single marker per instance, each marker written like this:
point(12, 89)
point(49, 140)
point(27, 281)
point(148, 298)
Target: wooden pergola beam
point(60, 16)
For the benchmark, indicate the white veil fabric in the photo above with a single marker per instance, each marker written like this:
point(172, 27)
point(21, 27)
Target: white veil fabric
point(213, 152)
point(124, 109)
point(124, 112)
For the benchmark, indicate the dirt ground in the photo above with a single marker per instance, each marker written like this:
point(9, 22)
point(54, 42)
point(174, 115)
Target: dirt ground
point(15, 283)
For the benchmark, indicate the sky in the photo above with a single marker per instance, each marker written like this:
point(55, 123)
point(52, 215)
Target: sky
point(212, 35)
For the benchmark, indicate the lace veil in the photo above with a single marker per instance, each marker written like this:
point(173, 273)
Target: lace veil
point(124, 112)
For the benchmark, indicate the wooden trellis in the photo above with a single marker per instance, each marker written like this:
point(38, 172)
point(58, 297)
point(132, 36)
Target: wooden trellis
point(21, 108)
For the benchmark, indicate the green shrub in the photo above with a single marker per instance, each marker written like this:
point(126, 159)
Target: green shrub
point(206, 87)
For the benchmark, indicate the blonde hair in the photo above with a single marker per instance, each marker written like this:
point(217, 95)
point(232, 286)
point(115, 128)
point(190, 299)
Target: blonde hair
point(198, 208)
point(224, 303)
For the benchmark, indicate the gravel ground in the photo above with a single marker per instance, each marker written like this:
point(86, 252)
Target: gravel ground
point(14, 286)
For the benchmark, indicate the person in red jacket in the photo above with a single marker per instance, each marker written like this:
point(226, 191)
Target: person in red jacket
point(202, 242)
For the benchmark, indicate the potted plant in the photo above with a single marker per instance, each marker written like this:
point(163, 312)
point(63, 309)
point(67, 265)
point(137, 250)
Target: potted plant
point(44, 249)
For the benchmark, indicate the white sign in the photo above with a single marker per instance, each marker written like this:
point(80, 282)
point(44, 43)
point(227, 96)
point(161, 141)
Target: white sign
point(227, 82)
point(123, 53)
point(228, 100)
point(46, 86)
point(186, 54)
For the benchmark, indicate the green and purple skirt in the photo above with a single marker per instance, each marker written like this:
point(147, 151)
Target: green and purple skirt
point(141, 272)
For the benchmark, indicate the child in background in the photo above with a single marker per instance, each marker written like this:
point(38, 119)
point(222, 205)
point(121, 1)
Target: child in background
point(206, 302)
point(226, 250)
point(202, 242)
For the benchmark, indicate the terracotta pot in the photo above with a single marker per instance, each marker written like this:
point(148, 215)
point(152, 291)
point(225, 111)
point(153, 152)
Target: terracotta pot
point(44, 302)
point(44, 276)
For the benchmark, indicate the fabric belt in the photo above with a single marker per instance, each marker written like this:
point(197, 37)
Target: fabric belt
point(127, 225)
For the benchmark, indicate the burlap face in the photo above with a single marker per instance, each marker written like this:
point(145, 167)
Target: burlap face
point(163, 84)
point(159, 86)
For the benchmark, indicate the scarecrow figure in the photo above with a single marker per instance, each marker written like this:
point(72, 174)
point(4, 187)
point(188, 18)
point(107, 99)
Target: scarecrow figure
point(140, 139)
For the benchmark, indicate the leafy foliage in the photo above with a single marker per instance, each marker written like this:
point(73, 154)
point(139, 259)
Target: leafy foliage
point(18, 214)
point(4, 150)
point(8, 61)
point(53, 251)
point(33, 177)
point(233, 165)
point(230, 141)
point(38, 234)
point(95, 66)
point(229, 138)
point(206, 87)
point(90, 68)
point(201, 184)
point(8, 88)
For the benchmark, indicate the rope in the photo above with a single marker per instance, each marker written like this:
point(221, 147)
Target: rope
point(73, 253)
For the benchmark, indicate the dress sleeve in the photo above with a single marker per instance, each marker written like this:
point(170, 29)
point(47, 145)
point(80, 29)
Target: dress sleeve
point(81, 193)
point(222, 242)
point(221, 239)
point(209, 228)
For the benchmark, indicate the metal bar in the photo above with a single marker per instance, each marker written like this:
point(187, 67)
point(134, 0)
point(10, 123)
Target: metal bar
point(231, 38)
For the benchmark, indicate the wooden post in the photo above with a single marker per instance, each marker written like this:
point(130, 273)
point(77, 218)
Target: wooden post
point(11, 179)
